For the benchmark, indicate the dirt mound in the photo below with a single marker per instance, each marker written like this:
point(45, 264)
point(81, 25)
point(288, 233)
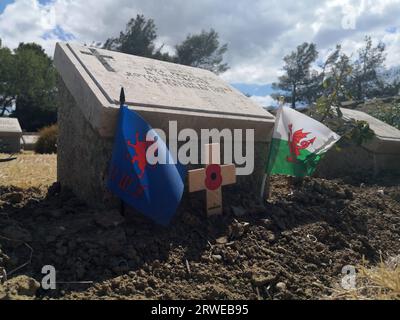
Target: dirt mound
point(294, 247)
point(19, 288)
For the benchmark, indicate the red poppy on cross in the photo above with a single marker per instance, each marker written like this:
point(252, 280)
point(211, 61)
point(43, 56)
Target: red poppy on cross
point(212, 178)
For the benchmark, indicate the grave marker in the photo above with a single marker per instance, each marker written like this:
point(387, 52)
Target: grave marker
point(160, 92)
point(212, 178)
point(10, 135)
point(380, 155)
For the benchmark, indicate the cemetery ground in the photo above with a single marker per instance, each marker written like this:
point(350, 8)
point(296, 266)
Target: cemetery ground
point(293, 248)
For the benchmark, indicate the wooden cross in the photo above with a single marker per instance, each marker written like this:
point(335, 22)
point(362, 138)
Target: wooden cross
point(101, 58)
point(212, 178)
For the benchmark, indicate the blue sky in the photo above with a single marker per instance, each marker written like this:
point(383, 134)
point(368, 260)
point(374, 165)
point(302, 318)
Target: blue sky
point(4, 3)
point(258, 35)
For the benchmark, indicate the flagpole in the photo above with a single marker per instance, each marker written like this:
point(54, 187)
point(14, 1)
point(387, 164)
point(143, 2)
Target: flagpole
point(122, 97)
point(266, 175)
point(121, 104)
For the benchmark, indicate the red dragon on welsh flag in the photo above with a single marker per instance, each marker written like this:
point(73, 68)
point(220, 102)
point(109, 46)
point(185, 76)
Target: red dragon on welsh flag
point(296, 142)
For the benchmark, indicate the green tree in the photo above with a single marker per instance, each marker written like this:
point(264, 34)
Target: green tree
point(138, 39)
point(29, 78)
point(298, 78)
point(364, 79)
point(7, 83)
point(335, 73)
point(202, 51)
point(388, 83)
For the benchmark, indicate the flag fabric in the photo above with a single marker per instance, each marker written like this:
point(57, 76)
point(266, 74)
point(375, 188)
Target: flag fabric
point(298, 143)
point(153, 189)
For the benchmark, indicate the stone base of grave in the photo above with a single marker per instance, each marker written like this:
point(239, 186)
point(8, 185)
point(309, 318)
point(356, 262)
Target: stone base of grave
point(83, 159)
point(10, 144)
point(357, 161)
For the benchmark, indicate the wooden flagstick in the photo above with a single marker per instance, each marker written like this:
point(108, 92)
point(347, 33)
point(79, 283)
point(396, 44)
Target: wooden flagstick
point(212, 178)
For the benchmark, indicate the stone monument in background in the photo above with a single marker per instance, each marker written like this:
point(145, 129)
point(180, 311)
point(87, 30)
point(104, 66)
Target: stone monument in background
point(381, 155)
point(10, 135)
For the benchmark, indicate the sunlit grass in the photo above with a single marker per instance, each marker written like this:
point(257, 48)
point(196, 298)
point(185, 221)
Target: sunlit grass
point(28, 170)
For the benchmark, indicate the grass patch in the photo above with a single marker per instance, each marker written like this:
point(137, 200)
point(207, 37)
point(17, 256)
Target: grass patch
point(29, 170)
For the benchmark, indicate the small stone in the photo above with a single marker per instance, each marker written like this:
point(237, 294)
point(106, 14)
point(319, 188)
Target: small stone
point(217, 257)
point(381, 192)
point(281, 286)
point(222, 240)
point(267, 222)
point(261, 280)
point(271, 237)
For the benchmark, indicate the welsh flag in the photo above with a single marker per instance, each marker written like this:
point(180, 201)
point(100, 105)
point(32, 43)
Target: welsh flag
point(298, 143)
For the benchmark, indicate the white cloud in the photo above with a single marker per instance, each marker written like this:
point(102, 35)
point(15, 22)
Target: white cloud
point(264, 101)
point(259, 33)
point(27, 21)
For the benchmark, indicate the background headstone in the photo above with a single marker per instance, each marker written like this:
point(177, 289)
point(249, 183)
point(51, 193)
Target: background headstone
point(10, 135)
point(378, 156)
point(29, 140)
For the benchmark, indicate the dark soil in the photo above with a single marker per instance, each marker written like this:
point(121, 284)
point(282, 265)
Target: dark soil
point(294, 247)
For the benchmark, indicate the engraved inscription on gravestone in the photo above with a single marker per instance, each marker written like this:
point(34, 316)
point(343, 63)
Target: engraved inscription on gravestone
point(149, 82)
point(176, 78)
point(101, 58)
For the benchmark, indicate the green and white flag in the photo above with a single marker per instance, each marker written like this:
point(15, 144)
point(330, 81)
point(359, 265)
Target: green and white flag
point(298, 143)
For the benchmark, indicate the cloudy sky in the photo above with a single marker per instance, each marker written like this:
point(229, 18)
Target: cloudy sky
point(258, 32)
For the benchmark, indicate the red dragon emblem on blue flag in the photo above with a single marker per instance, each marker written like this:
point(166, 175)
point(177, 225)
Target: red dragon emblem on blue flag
point(154, 190)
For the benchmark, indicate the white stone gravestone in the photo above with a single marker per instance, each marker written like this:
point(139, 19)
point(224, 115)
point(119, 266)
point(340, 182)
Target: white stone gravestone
point(378, 156)
point(160, 92)
point(10, 135)
point(29, 140)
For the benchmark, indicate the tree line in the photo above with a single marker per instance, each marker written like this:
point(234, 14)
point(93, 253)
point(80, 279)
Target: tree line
point(338, 78)
point(28, 78)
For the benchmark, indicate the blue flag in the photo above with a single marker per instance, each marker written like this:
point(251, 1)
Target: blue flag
point(153, 189)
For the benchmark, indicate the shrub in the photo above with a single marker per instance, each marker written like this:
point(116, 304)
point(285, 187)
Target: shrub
point(47, 142)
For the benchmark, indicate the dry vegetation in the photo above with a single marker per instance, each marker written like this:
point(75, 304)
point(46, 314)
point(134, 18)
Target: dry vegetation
point(367, 225)
point(381, 282)
point(28, 170)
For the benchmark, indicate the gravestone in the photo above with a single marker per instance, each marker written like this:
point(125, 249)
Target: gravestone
point(160, 92)
point(29, 140)
point(10, 135)
point(378, 156)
